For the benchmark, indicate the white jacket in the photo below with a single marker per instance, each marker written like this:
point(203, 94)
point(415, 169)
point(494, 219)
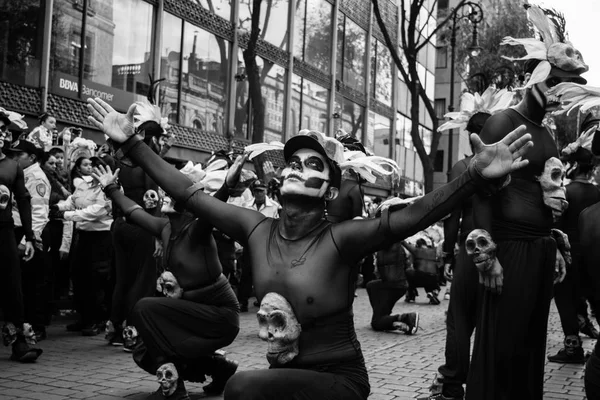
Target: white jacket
point(88, 206)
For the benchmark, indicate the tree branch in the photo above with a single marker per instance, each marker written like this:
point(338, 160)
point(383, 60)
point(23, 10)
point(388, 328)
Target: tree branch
point(441, 24)
point(388, 40)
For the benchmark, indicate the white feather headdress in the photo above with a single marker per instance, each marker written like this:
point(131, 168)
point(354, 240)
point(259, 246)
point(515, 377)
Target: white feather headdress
point(369, 167)
point(573, 95)
point(15, 118)
point(148, 110)
point(491, 101)
point(553, 50)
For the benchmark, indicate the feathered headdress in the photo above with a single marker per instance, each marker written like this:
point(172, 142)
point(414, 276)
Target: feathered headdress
point(147, 110)
point(15, 118)
point(553, 50)
point(573, 95)
point(491, 102)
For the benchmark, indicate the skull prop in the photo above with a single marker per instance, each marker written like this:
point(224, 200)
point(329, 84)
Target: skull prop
point(167, 378)
point(279, 327)
point(150, 199)
point(481, 248)
point(554, 192)
point(566, 57)
point(167, 284)
point(29, 334)
point(4, 197)
point(130, 335)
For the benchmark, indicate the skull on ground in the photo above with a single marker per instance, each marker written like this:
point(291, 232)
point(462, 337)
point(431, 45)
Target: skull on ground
point(553, 190)
point(150, 199)
point(279, 327)
point(167, 376)
point(482, 249)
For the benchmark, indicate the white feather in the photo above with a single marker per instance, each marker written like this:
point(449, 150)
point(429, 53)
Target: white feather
point(534, 48)
point(256, 149)
point(574, 95)
point(144, 111)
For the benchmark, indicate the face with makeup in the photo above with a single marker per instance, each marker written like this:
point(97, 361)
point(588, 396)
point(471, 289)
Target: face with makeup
point(542, 92)
point(307, 173)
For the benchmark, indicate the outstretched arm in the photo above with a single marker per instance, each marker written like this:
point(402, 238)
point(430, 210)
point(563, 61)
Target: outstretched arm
point(490, 163)
point(234, 221)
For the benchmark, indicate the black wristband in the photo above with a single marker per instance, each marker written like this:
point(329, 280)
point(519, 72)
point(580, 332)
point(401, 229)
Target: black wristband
point(108, 189)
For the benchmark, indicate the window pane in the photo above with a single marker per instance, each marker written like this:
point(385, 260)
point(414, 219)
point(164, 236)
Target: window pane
point(352, 117)
point(117, 50)
point(273, 91)
point(382, 127)
point(204, 80)
point(383, 82)
point(21, 23)
point(169, 66)
point(220, 7)
point(317, 50)
point(353, 59)
point(441, 58)
point(273, 20)
point(314, 106)
point(399, 129)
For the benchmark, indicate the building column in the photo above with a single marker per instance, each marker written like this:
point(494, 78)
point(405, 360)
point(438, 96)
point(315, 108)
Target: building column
point(45, 67)
point(287, 101)
point(367, 79)
point(334, 39)
point(232, 69)
point(158, 29)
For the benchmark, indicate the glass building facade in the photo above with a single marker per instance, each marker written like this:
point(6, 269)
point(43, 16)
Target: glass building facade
point(323, 66)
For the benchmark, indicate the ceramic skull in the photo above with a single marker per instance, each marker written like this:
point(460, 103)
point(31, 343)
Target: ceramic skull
point(150, 199)
point(4, 197)
point(482, 249)
point(279, 327)
point(29, 334)
point(553, 190)
point(167, 376)
point(566, 57)
point(130, 334)
point(169, 286)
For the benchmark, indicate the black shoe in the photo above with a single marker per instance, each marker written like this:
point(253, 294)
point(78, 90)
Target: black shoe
point(439, 396)
point(75, 327)
point(433, 298)
point(411, 322)
point(22, 352)
point(223, 370)
point(410, 296)
point(572, 353)
point(91, 330)
point(590, 330)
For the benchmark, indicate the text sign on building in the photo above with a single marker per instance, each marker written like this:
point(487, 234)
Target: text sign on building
point(68, 86)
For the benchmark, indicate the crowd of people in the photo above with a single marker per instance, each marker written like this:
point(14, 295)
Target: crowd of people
point(162, 256)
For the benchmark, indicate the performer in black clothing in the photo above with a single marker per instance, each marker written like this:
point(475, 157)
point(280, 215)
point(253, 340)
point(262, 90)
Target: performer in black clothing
point(305, 260)
point(199, 315)
point(510, 339)
point(462, 309)
point(581, 193)
point(12, 183)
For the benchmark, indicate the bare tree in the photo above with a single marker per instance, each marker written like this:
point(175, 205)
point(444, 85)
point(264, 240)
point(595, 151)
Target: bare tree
point(411, 41)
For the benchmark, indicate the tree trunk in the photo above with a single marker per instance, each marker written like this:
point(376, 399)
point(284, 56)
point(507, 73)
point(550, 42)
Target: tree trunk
point(254, 81)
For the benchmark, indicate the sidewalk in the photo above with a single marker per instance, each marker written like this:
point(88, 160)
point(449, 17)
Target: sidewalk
point(400, 366)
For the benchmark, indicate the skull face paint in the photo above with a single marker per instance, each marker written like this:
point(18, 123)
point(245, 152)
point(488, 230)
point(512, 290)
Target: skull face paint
point(482, 249)
point(169, 286)
point(4, 197)
point(307, 174)
point(554, 192)
point(150, 199)
point(168, 205)
point(167, 377)
point(279, 327)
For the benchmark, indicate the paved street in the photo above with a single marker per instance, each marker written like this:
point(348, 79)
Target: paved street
point(400, 366)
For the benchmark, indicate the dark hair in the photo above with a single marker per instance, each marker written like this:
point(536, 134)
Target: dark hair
point(75, 170)
point(44, 117)
point(55, 150)
point(477, 121)
point(44, 157)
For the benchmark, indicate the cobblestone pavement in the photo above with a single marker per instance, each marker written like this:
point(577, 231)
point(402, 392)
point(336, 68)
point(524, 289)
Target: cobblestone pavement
point(400, 366)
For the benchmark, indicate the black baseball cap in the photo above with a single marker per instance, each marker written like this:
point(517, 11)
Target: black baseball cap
point(24, 146)
point(308, 142)
point(258, 184)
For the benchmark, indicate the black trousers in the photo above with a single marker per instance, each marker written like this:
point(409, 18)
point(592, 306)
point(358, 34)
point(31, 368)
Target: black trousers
point(245, 288)
point(509, 352)
point(566, 295)
point(383, 296)
point(35, 278)
point(592, 375)
point(11, 295)
point(90, 269)
point(135, 268)
point(460, 324)
point(185, 332)
point(367, 269)
point(61, 276)
point(416, 279)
